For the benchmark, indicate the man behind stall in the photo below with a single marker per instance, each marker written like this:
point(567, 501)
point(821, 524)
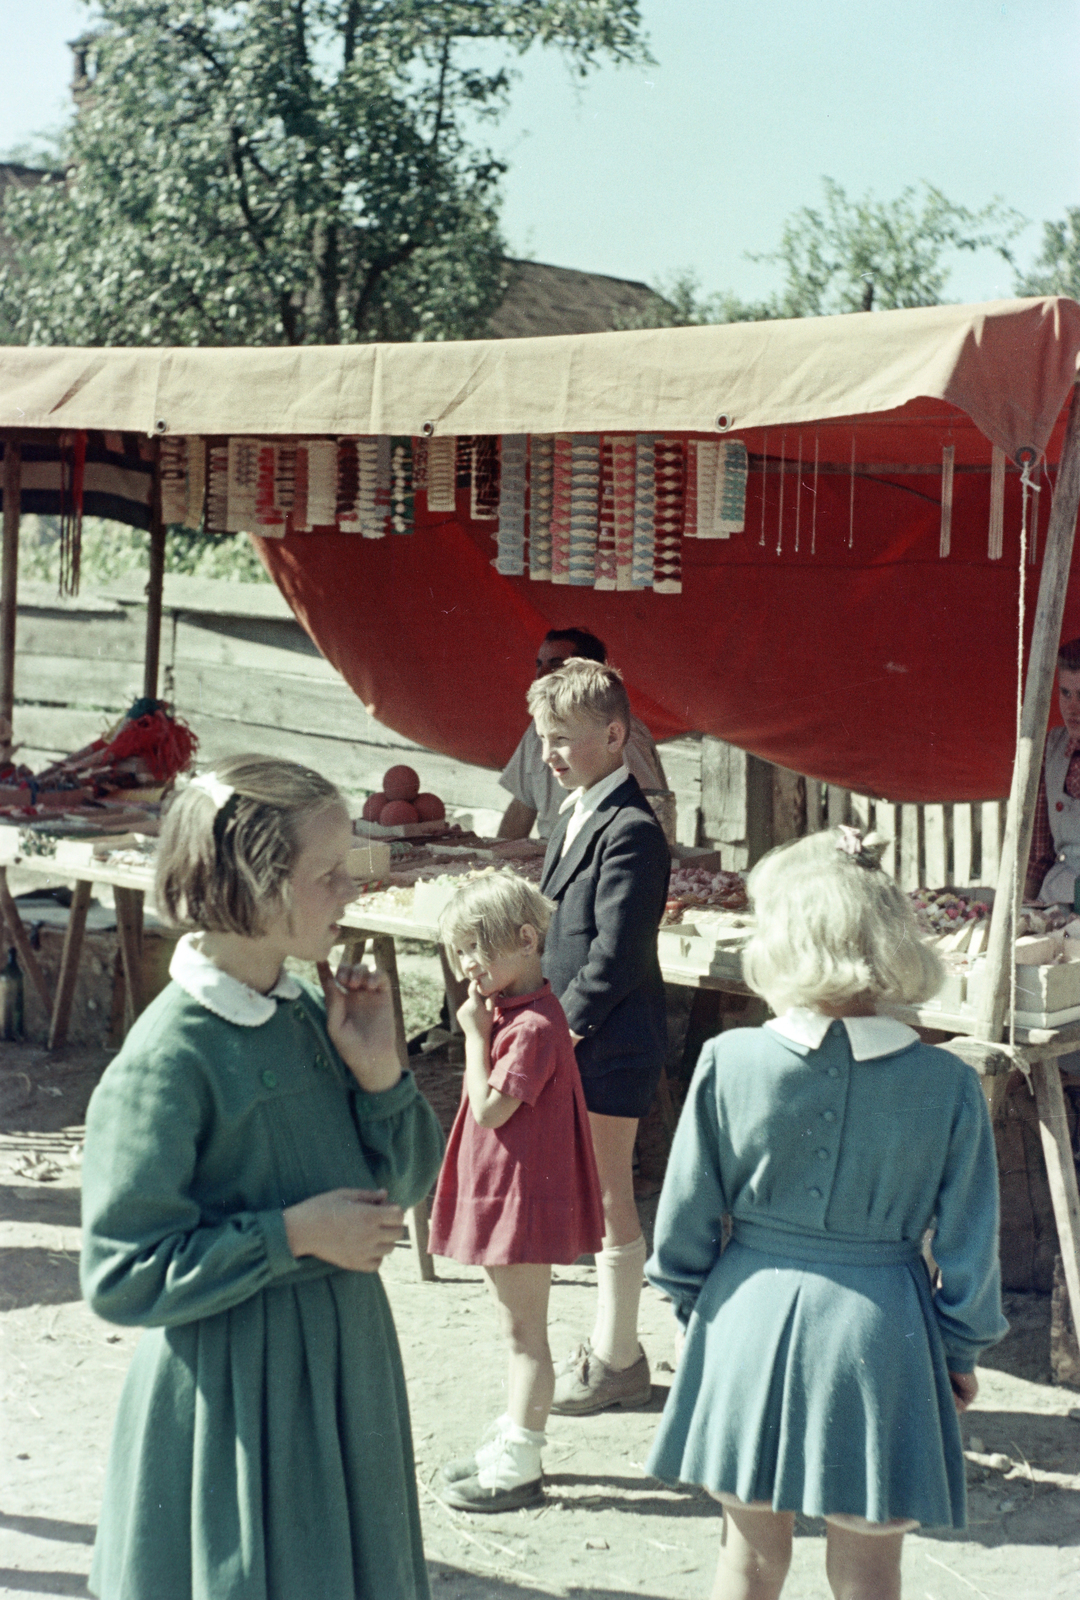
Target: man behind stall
point(1054, 860)
point(606, 869)
point(536, 795)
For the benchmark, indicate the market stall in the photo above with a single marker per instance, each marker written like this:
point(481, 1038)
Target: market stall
point(812, 539)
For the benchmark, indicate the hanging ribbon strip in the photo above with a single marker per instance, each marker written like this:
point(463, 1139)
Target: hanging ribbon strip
point(441, 474)
point(541, 504)
point(584, 510)
point(402, 458)
point(996, 528)
point(624, 489)
point(72, 483)
point(644, 549)
point(670, 501)
point(172, 476)
point(513, 466)
point(562, 492)
point(606, 564)
point(948, 461)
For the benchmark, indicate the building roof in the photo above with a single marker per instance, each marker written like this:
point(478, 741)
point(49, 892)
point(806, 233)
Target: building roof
point(543, 299)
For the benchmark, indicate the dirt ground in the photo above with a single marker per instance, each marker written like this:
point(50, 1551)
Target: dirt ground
point(606, 1529)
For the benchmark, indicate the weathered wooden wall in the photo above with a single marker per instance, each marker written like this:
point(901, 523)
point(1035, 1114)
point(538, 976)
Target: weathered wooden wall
point(245, 675)
point(242, 671)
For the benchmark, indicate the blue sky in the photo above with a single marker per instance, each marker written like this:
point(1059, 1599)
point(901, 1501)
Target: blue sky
point(697, 161)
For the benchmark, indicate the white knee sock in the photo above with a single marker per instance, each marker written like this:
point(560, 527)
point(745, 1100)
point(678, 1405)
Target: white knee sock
point(516, 1461)
point(619, 1272)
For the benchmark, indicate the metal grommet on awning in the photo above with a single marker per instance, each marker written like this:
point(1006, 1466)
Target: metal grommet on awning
point(428, 429)
point(723, 421)
point(161, 426)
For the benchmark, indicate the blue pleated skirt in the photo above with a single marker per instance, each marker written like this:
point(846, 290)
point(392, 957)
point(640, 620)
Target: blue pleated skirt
point(818, 1386)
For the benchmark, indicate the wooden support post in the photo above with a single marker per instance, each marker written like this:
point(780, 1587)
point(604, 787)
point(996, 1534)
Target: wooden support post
point(1060, 1172)
point(382, 947)
point(1038, 686)
point(129, 918)
point(21, 940)
point(9, 581)
point(154, 584)
point(69, 964)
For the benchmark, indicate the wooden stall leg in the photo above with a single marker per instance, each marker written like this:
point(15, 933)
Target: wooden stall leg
point(129, 919)
point(69, 964)
point(382, 947)
point(1060, 1172)
point(21, 940)
point(457, 990)
point(353, 950)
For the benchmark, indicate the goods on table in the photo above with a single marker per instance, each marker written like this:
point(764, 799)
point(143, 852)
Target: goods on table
point(956, 924)
point(138, 758)
point(691, 887)
point(399, 803)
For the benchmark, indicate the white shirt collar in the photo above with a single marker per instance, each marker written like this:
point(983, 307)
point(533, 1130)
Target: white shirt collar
point(222, 994)
point(869, 1037)
point(587, 800)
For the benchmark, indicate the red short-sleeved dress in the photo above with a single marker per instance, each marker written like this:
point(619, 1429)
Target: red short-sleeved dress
point(527, 1191)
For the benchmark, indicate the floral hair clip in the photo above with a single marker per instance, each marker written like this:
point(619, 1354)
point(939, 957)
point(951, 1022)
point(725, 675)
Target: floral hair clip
point(867, 852)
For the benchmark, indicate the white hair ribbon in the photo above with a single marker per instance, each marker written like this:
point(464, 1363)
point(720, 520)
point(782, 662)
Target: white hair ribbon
point(219, 791)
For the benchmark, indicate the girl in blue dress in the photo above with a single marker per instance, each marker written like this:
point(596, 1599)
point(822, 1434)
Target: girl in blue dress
point(822, 1369)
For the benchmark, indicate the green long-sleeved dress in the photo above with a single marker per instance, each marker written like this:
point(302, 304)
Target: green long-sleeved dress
point(262, 1448)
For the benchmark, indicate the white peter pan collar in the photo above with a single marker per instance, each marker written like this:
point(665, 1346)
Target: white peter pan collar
point(869, 1037)
point(222, 994)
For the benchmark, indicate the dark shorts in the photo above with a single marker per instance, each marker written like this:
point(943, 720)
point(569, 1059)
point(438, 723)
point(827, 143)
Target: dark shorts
point(623, 1092)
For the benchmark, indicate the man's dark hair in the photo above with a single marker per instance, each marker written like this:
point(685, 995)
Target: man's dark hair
point(585, 644)
point(1068, 655)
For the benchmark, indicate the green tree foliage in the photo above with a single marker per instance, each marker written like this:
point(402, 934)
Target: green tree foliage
point(284, 171)
point(855, 255)
point(1057, 267)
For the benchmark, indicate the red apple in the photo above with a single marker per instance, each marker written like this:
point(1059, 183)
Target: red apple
point(401, 783)
point(429, 808)
point(373, 806)
point(396, 812)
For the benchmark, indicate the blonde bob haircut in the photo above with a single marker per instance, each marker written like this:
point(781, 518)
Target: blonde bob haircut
point(493, 909)
point(226, 869)
point(580, 688)
point(833, 927)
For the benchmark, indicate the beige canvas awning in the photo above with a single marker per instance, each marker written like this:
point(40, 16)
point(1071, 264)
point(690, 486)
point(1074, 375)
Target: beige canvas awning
point(1006, 365)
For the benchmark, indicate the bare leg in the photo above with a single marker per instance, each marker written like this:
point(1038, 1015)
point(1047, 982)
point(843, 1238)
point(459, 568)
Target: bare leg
point(521, 1294)
point(613, 1144)
point(755, 1554)
point(862, 1566)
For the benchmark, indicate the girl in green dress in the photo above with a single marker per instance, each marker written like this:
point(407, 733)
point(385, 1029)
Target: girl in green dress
point(248, 1157)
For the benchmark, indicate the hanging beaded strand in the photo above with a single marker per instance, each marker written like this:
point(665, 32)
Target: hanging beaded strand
point(813, 524)
point(780, 513)
point(851, 498)
point(764, 482)
point(798, 494)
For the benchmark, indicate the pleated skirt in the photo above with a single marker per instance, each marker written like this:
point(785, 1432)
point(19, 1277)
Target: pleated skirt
point(818, 1387)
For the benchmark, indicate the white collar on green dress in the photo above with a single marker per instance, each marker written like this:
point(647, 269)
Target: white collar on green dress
point(869, 1037)
point(222, 994)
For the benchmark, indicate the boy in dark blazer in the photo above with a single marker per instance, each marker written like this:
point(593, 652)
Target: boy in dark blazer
point(606, 869)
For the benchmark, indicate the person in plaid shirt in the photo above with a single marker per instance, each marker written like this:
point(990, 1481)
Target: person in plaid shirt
point(1054, 859)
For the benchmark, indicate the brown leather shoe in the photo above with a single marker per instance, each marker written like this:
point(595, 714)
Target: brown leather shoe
point(589, 1384)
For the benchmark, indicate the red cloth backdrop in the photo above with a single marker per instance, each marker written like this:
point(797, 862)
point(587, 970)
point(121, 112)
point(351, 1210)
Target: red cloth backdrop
point(880, 666)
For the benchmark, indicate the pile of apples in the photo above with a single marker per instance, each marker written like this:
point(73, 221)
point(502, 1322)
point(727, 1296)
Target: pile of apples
point(400, 801)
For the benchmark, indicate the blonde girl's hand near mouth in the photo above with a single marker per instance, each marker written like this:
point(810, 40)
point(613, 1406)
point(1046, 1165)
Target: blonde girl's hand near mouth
point(476, 1014)
point(360, 1021)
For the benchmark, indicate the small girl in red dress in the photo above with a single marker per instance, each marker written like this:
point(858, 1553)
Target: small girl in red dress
point(518, 1190)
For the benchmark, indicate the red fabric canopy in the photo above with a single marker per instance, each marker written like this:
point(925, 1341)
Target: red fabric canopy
point(875, 664)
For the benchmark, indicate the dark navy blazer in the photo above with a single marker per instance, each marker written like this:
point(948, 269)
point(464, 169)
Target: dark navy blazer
point(600, 954)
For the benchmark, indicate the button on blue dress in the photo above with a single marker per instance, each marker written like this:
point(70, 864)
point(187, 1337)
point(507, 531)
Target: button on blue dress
point(815, 1370)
